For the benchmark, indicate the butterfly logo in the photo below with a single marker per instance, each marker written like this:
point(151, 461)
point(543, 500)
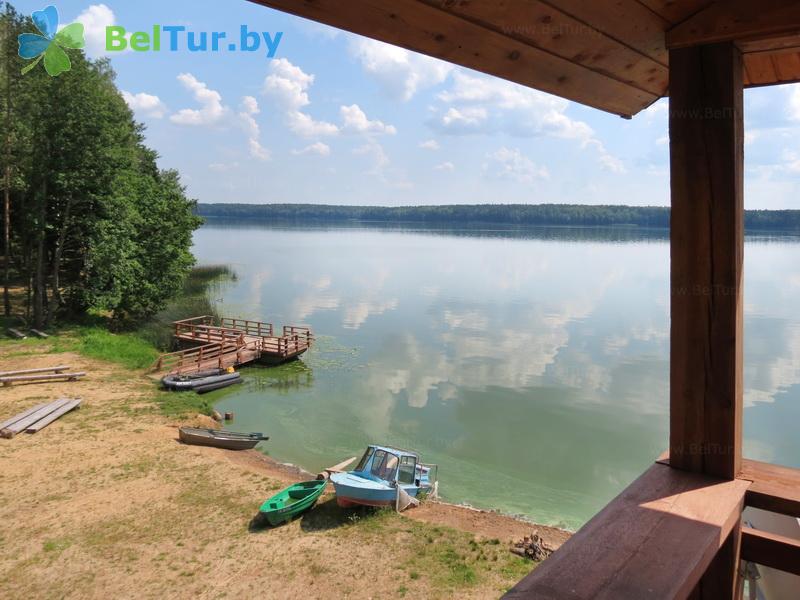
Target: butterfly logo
point(50, 45)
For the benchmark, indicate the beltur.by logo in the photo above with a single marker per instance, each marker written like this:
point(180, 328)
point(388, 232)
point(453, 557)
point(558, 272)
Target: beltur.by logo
point(51, 44)
point(176, 37)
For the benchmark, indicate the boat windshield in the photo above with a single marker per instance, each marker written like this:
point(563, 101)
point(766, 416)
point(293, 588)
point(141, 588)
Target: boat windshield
point(384, 465)
point(362, 464)
point(408, 468)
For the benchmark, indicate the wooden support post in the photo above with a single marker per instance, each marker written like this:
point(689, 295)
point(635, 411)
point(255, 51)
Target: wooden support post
point(707, 241)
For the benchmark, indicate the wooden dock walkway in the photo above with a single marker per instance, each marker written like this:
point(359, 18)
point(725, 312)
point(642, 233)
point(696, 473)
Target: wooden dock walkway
point(230, 343)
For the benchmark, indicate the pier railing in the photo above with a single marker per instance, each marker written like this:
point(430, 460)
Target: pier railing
point(217, 355)
point(248, 327)
point(254, 336)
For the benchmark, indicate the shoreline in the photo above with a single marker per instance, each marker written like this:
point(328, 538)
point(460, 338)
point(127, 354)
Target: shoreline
point(461, 516)
point(519, 518)
point(122, 506)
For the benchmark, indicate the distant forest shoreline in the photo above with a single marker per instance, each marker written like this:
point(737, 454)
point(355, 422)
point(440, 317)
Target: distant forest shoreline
point(569, 215)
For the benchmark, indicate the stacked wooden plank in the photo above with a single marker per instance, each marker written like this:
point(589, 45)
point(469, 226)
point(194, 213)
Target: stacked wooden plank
point(38, 417)
point(7, 378)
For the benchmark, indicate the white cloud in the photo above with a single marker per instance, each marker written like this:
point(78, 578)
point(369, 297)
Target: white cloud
point(508, 163)
point(250, 108)
point(287, 85)
point(400, 72)
point(95, 19)
point(145, 104)
point(257, 151)
point(655, 110)
point(223, 167)
point(485, 105)
point(355, 120)
point(250, 105)
point(378, 155)
point(315, 148)
point(211, 109)
point(794, 103)
point(464, 120)
point(429, 145)
point(445, 166)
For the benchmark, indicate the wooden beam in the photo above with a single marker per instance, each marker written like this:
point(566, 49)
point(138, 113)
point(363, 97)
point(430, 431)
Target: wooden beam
point(771, 550)
point(735, 20)
point(676, 11)
point(774, 488)
point(17, 426)
point(420, 27)
point(544, 26)
point(721, 579)
point(56, 369)
point(56, 414)
point(22, 415)
point(706, 242)
point(655, 540)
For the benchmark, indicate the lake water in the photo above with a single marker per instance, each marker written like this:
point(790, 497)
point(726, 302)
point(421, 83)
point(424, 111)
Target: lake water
point(531, 365)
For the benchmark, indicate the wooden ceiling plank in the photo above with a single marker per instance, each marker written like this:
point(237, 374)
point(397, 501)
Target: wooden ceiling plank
point(790, 43)
point(537, 23)
point(736, 20)
point(626, 21)
point(423, 28)
point(759, 69)
point(787, 65)
point(675, 11)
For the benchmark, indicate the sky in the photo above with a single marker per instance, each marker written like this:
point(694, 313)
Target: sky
point(335, 118)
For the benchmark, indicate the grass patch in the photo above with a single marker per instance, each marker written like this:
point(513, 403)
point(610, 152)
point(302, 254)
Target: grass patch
point(127, 349)
point(182, 404)
point(56, 545)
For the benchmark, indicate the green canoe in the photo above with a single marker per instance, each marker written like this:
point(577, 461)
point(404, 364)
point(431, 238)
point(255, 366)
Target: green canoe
point(292, 501)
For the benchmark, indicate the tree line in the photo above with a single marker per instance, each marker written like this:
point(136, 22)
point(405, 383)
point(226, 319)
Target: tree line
point(91, 224)
point(510, 214)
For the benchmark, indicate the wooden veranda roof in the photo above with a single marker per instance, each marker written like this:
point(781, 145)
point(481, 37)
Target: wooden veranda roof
point(608, 54)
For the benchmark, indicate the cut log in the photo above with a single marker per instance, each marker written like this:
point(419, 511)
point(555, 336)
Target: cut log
point(40, 334)
point(338, 468)
point(40, 378)
point(24, 423)
point(56, 414)
point(16, 333)
point(21, 415)
point(57, 369)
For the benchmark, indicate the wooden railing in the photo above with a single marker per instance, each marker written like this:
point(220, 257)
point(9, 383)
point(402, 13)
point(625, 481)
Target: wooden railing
point(247, 334)
point(254, 328)
point(673, 534)
point(193, 358)
point(208, 333)
point(303, 333)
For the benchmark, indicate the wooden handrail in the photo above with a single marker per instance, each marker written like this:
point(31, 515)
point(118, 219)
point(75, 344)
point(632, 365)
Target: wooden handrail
point(655, 540)
point(774, 488)
point(771, 550)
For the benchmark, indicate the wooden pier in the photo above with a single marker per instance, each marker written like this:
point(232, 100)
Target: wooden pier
point(229, 342)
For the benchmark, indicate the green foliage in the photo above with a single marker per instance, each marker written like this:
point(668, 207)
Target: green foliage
point(95, 224)
point(565, 215)
point(193, 300)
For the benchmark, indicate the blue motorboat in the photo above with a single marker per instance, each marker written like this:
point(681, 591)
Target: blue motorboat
point(380, 475)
